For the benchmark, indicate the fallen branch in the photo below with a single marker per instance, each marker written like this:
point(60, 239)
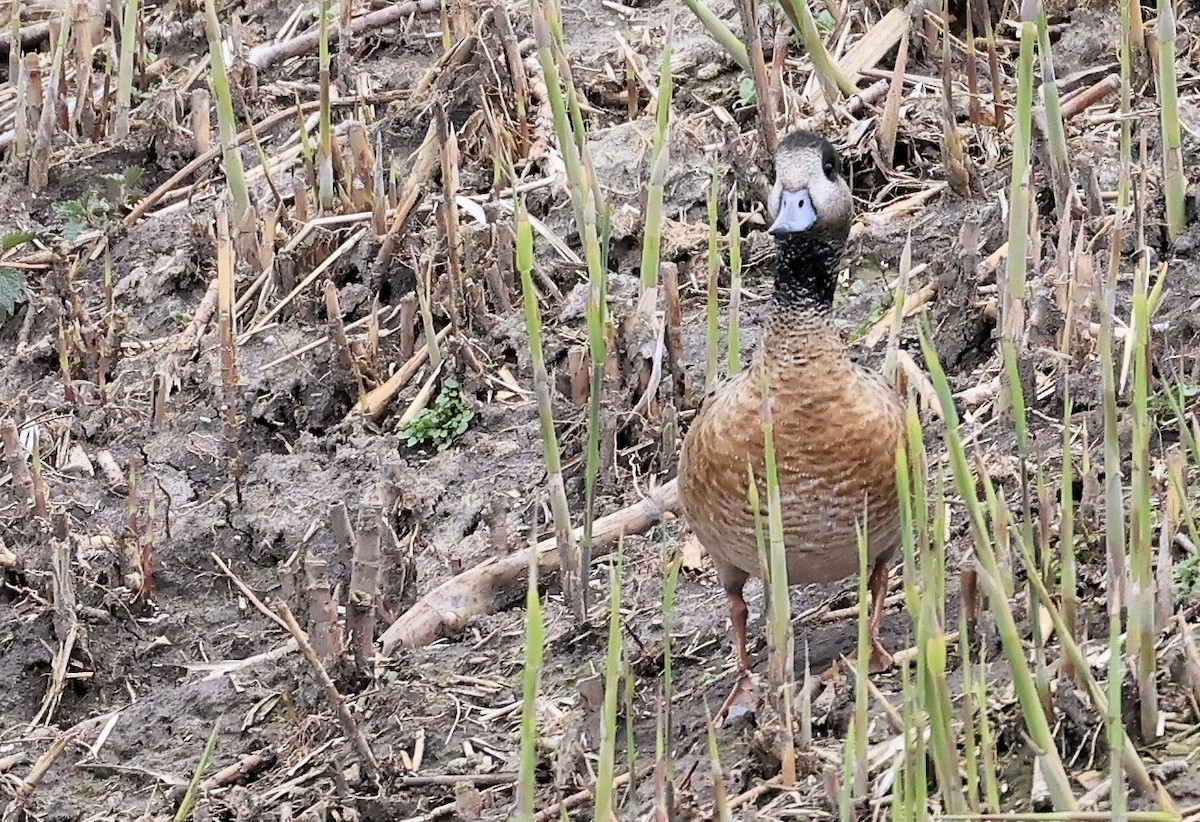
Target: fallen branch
point(266, 54)
point(450, 606)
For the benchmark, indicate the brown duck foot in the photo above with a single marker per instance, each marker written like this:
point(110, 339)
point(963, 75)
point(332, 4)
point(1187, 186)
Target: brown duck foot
point(880, 659)
point(742, 700)
point(879, 662)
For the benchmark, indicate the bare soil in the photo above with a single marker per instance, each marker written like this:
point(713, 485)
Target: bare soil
point(146, 667)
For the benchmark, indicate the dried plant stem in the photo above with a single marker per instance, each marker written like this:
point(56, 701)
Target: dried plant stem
point(228, 344)
point(325, 181)
point(129, 19)
point(712, 329)
point(762, 92)
point(43, 138)
point(659, 163)
point(366, 757)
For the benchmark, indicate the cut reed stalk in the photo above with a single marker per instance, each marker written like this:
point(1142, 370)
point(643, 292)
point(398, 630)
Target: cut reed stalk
point(559, 507)
point(608, 714)
point(226, 318)
point(534, 646)
point(1013, 306)
point(325, 152)
point(734, 337)
point(1056, 133)
point(1141, 548)
point(712, 331)
point(1174, 181)
point(659, 163)
point(129, 19)
point(758, 71)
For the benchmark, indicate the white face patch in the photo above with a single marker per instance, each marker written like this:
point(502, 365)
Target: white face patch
point(804, 169)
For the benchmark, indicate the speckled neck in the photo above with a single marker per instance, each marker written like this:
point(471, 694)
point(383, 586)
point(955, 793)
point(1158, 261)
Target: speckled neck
point(806, 272)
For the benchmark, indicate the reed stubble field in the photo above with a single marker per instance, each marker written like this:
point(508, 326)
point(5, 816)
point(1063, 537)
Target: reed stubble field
point(297, 370)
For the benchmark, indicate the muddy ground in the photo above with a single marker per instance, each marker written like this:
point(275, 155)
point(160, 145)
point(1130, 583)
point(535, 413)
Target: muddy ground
point(139, 690)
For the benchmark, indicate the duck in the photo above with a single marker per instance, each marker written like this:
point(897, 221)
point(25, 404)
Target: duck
point(836, 423)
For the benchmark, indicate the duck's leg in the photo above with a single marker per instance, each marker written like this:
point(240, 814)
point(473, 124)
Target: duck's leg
point(881, 660)
point(742, 699)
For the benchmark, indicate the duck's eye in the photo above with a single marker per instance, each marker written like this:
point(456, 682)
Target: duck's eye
point(830, 169)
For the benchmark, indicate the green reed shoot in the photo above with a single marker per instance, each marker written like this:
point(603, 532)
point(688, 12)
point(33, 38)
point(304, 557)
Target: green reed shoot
point(720, 32)
point(193, 788)
point(833, 79)
point(1068, 584)
point(231, 160)
point(563, 129)
point(970, 709)
point(1013, 317)
point(663, 749)
point(734, 339)
point(1174, 181)
point(846, 792)
point(587, 202)
point(712, 335)
point(1113, 720)
point(721, 810)
point(1131, 761)
point(608, 715)
point(534, 648)
point(987, 743)
point(559, 507)
point(924, 597)
point(862, 663)
point(1036, 722)
point(1114, 503)
point(1056, 132)
point(659, 162)
point(1141, 548)
point(779, 614)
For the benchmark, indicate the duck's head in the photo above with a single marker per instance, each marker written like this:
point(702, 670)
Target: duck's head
point(810, 195)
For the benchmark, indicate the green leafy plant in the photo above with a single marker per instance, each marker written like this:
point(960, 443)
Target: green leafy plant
point(444, 421)
point(14, 286)
point(100, 211)
point(1161, 405)
point(746, 93)
point(1187, 575)
point(14, 290)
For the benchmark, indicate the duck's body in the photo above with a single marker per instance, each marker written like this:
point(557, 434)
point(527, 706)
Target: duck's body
point(829, 460)
point(836, 425)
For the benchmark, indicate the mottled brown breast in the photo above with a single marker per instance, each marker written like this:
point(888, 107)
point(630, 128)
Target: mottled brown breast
point(836, 427)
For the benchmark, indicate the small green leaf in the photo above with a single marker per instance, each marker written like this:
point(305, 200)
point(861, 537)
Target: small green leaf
point(746, 93)
point(14, 290)
point(15, 239)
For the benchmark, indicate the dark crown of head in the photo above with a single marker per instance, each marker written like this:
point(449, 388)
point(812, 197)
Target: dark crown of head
point(801, 139)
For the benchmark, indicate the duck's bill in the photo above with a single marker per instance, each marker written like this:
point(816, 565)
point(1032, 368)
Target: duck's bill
point(796, 213)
